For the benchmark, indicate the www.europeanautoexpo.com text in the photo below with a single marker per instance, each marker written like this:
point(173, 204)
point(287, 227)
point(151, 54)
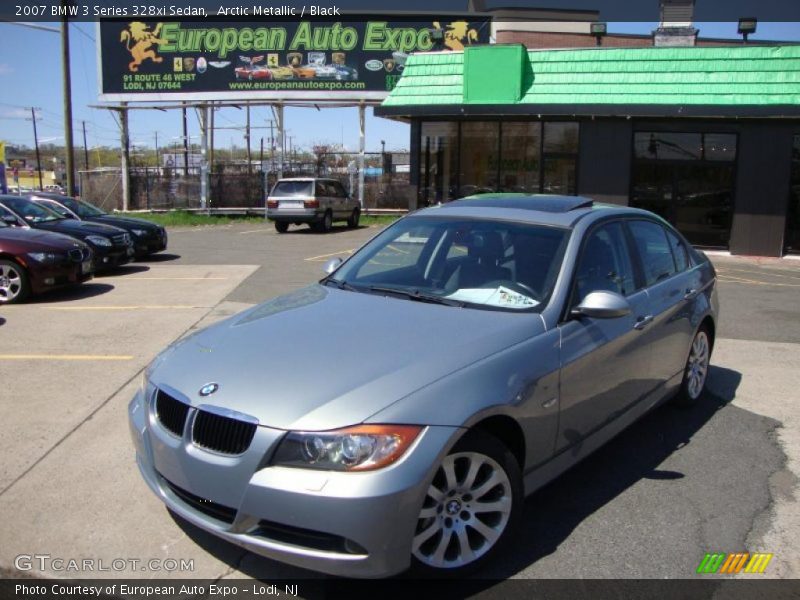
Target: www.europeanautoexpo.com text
point(145, 590)
point(155, 11)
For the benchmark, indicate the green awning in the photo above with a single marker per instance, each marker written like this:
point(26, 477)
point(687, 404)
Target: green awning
point(600, 79)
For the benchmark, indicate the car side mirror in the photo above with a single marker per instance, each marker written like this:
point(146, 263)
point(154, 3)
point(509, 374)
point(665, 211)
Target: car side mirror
point(602, 305)
point(332, 265)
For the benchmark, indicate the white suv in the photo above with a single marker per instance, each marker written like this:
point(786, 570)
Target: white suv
point(316, 201)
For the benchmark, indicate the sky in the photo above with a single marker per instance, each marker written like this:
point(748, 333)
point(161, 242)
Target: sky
point(30, 75)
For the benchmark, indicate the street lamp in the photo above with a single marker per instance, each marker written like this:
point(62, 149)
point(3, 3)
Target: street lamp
point(747, 25)
point(598, 30)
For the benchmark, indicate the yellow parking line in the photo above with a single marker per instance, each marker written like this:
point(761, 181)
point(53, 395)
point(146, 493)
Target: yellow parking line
point(173, 279)
point(63, 357)
point(132, 307)
point(329, 255)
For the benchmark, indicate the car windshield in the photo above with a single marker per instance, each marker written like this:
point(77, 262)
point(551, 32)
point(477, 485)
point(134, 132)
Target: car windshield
point(30, 211)
point(293, 188)
point(81, 208)
point(456, 261)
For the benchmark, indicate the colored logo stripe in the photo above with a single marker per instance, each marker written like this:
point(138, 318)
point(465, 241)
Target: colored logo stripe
point(722, 563)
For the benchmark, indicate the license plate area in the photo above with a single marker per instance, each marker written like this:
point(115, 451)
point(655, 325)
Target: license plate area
point(86, 267)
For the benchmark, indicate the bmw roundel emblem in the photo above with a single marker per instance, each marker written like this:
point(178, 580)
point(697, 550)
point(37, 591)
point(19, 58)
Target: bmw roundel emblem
point(209, 389)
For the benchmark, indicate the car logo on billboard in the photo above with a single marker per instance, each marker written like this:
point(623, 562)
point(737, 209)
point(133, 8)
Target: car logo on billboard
point(374, 65)
point(219, 64)
point(202, 65)
point(209, 389)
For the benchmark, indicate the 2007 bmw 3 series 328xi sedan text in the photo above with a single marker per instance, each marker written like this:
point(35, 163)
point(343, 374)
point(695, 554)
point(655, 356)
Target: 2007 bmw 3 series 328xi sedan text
point(397, 413)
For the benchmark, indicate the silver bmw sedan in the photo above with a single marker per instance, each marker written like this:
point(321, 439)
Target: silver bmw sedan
point(397, 413)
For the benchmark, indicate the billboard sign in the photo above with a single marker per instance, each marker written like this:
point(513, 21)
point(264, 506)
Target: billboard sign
point(359, 59)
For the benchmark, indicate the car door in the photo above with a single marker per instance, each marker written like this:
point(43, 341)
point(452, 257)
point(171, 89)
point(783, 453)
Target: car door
point(327, 198)
point(671, 287)
point(604, 362)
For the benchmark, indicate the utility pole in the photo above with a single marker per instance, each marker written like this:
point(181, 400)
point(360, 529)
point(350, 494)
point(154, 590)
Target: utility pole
point(85, 149)
point(247, 141)
point(185, 143)
point(210, 126)
point(67, 84)
point(126, 158)
point(36, 141)
point(261, 158)
point(157, 161)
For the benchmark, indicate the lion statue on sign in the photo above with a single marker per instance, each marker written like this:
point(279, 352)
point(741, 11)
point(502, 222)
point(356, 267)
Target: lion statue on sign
point(456, 33)
point(144, 38)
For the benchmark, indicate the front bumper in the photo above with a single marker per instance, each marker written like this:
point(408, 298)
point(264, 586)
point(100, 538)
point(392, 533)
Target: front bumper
point(151, 244)
point(110, 258)
point(51, 277)
point(345, 524)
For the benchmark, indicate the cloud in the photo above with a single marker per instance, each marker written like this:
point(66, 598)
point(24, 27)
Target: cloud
point(5, 69)
point(15, 113)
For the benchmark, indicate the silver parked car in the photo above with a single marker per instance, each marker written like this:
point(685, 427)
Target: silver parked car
point(317, 202)
point(397, 413)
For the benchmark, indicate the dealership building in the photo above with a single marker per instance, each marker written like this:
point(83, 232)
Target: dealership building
point(706, 136)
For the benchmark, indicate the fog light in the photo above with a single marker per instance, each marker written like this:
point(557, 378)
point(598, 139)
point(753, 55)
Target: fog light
point(105, 259)
point(49, 281)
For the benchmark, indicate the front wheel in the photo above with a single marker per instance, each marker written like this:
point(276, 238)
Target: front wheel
point(326, 224)
point(470, 510)
point(696, 372)
point(14, 284)
point(281, 226)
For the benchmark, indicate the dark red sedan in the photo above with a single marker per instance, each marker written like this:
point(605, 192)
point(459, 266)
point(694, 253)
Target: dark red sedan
point(34, 261)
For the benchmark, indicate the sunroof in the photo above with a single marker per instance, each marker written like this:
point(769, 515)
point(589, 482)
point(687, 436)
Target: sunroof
point(543, 203)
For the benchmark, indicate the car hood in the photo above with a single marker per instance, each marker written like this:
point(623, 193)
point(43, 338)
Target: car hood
point(33, 240)
point(79, 228)
point(322, 358)
point(126, 222)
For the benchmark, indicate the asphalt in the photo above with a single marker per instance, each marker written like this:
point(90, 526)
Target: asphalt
point(679, 483)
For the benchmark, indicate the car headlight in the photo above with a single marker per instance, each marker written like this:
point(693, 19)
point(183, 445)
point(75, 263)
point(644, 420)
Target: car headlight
point(139, 232)
point(46, 258)
point(359, 448)
point(98, 240)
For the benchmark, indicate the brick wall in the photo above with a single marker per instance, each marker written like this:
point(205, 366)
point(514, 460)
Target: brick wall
point(543, 39)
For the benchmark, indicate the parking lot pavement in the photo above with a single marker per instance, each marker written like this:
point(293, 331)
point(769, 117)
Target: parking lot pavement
point(66, 354)
point(721, 477)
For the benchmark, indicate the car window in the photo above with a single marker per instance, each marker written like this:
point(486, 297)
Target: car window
point(4, 212)
point(484, 264)
point(56, 207)
point(293, 188)
point(654, 250)
point(32, 212)
point(605, 264)
point(679, 251)
point(339, 190)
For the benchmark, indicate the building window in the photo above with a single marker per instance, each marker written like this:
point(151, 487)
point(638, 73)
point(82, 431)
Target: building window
point(687, 178)
point(480, 157)
point(459, 159)
point(792, 238)
point(521, 156)
point(438, 162)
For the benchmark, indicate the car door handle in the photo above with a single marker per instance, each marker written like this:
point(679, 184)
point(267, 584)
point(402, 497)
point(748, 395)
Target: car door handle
point(690, 294)
point(643, 322)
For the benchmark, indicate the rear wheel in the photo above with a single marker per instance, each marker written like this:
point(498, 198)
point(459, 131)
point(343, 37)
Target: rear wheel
point(14, 284)
point(326, 224)
point(281, 226)
point(696, 372)
point(355, 216)
point(470, 510)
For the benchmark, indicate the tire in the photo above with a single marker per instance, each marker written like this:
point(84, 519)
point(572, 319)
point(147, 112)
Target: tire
point(352, 221)
point(454, 533)
point(281, 226)
point(326, 224)
point(14, 283)
point(695, 374)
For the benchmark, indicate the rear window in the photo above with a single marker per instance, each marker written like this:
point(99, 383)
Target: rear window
point(293, 188)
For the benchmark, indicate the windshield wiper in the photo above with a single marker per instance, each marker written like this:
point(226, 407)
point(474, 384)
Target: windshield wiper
point(418, 296)
point(342, 285)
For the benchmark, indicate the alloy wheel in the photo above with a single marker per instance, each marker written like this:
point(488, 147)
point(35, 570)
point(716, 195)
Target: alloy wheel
point(697, 367)
point(10, 283)
point(465, 511)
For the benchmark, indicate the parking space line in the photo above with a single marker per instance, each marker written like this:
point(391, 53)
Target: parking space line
point(135, 278)
point(321, 256)
point(131, 307)
point(263, 229)
point(103, 357)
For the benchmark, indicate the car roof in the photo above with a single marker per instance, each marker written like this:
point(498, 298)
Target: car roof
point(543, 209)
point(307, 179)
